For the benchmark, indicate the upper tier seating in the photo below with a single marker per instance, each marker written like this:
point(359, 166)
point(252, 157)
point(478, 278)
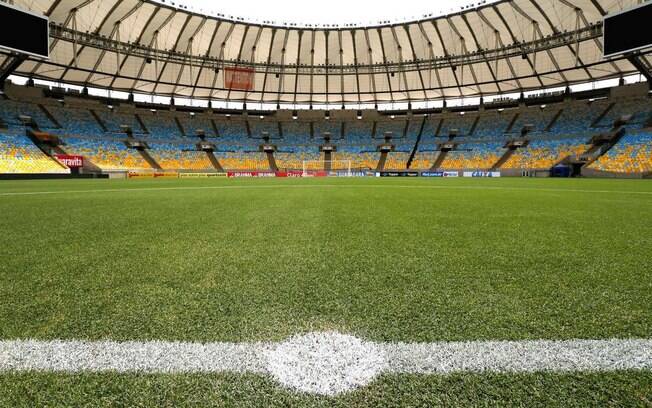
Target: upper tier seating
point(328, 126)
point(639, 108)
point(359, 133)
point(231, 131)
point(493, 124)
point(259, 127)
point(75, 121)
point(113, 120)
point(160, 126)
point(11, 110)
point(462, 123)
point(395, 127)
point(577, 117)
point(535, 116)
point(296, 133)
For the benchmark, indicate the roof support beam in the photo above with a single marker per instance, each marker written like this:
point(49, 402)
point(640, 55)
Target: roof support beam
point(77, 53)
point(174, 48)
point(642, 65)
point(153, 44)
point(296, 73)
point(355, 63)
point(415, 58)
point(206, 55)
point(514, 40)
point(372, 78)
point(269, 60)
point(479, 47)
point(11, 64)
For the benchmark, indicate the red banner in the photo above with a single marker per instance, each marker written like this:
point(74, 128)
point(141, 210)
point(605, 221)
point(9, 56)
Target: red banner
point(290, 174)
point(239, 79)
point(250, 174)
point(72, 162)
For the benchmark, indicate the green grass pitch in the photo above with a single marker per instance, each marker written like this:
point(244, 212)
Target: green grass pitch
point(383, 259)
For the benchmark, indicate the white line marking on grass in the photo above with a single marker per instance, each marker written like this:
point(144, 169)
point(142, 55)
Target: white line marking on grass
point(311, 186)
point(326, 363)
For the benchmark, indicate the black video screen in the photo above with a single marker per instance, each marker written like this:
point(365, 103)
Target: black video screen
point(628, 31)
point(23, 32)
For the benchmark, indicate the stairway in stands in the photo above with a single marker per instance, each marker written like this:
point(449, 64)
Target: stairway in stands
point(99, 120)
point(508, 154)
point(49, 115)
point(439, 161)
point(415, 150)
point(149, 159)
point(382, 161)
point(272, 161)
point(216, 163)
point(597, 120)
point(328, 157)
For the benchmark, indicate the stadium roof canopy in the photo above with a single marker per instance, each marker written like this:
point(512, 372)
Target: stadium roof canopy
point(502, 46)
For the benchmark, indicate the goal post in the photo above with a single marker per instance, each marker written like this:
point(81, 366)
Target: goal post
point(342, 167)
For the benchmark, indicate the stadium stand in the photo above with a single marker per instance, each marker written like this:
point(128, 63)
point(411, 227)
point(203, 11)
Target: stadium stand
point(243, 160)
point(476, 156)
point(109, 155)
point(559, 131)
point(19, 155)
point(462, 123)
point(179, 157)
point(160, 126)
point(633, 154)
point(397, 161)
point(544, 154)
point(114, 120)
point(75, 121)
point(10, 111)
point(423, 161)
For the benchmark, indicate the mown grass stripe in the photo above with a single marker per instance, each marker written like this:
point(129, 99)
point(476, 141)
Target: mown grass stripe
point(309, 186)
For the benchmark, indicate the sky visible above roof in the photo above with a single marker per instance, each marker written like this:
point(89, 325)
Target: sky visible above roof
point(326, 13)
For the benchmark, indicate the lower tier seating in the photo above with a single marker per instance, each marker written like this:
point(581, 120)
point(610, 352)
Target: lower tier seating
point(424, 160)
point(481, 156)
point(107, 154)
point(362, 160)
point(19, 155)
point(243, 161)
point(397, 161)
point(295, 161)
point(544, 154)
point(633, 154)
point(179, 157)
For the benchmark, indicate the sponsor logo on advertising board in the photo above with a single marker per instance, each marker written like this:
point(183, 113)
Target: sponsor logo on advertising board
point(202, 175)
point(398, 174)
point(250, 174)
point(481, 174)
point(146, 175)
point(70, 161)
point(289, 174)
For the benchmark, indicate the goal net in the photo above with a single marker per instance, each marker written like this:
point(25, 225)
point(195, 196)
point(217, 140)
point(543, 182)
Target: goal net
point(341, 167)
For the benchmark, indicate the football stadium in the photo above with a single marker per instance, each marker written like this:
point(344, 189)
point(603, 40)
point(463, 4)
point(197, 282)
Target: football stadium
point(318, 205)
